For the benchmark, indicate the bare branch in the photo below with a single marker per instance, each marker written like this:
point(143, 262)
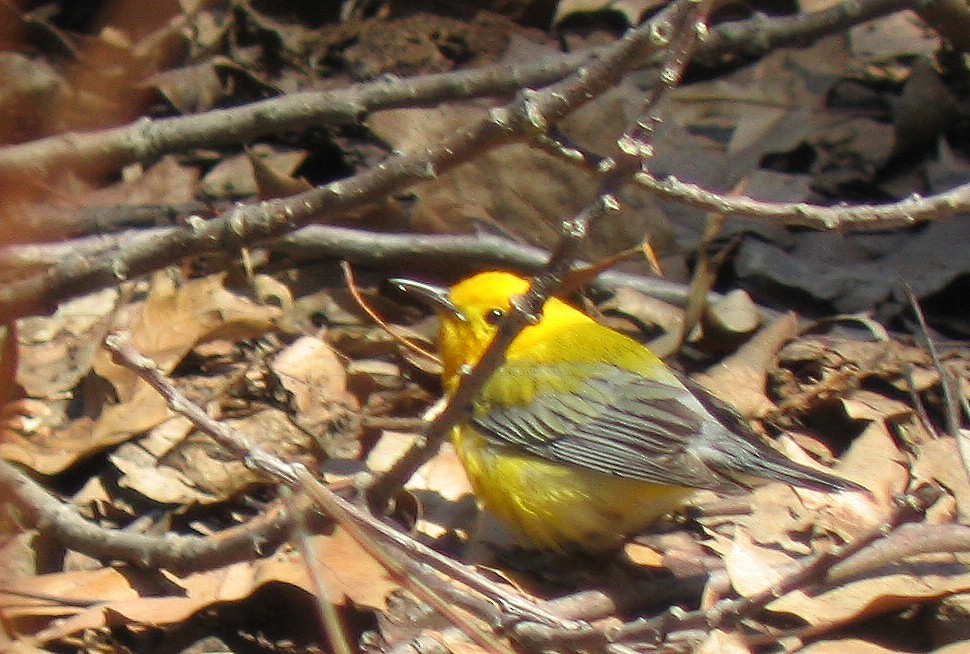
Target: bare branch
point(94, 262)
point(857, 218)
point(146, 139)
point(759, 36)
point(170, 551)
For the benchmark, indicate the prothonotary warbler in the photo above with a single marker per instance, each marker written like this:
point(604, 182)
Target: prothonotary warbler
point(583, 436)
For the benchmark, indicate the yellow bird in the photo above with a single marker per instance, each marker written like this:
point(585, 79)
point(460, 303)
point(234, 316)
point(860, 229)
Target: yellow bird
point(583, 436)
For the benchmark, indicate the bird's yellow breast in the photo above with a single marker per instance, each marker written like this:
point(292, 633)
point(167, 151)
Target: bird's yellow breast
point(553, 505)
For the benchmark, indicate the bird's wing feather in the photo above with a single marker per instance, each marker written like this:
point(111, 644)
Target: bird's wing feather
point(595, 416)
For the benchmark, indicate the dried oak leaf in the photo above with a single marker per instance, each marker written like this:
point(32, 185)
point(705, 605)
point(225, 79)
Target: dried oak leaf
point(165, 327)
point(48, 607)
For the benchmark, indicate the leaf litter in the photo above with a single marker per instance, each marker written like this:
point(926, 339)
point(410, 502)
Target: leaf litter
point(112, 447)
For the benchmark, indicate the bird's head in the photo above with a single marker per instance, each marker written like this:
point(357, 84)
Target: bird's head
point(470, 312)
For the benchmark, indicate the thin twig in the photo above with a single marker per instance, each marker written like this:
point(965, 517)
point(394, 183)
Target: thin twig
point(914, 397)
point(858, 218)
point(397, 567)
point(749, 39)
point(145, 140)
point(951, 407)
point(330, 620)
point(906, 541)
point(373, 315)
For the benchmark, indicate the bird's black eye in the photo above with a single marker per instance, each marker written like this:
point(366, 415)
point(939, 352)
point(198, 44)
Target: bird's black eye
point(493, 316)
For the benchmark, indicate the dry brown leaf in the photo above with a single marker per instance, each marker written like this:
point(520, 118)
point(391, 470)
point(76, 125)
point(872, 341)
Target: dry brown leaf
point(43, 449)
point(779, 519)
point(873, 460)
point(492, 191)
point(646, 309)
point(741, 379)
point(868, 405)
point(519, 190)
point(52, 452)
point(723, 642)
point(847, 646)
point(63, 593)
point(235, 177)
point(753, 103)
point(176, 316)
point(95, 598)
point(900, 34)
point(139, 412)
point(784, 518)
point(938, 461)
point(881, 591)
point(166, 182)
point(753, 568)
point(924, 110)
point(782, 515)
point(734, 314)
point(141, 471)
point(56, 351)
point(316, 379)
point(631, 10)
point(311, 371)
point(202, 470)
point(350, 573)
point(18, 555)
point(683, 554)
point(190, 89)
point(274, 174)
point(643, 556)
point(94, 499)
point(29, 83)
point(173, 319)
point(439, 485)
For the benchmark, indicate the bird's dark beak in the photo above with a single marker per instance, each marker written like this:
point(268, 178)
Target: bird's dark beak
point(434, 296)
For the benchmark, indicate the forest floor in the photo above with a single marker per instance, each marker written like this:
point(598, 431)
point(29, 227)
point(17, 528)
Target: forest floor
point(223, 187)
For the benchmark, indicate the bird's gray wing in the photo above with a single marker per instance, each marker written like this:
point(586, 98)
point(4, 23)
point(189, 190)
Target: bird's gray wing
point(609, 419)
point(596, 416)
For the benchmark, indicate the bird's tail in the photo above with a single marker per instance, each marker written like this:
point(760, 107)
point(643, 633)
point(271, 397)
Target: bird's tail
point(772, 466)
point(743, 458)
point(733, 451)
